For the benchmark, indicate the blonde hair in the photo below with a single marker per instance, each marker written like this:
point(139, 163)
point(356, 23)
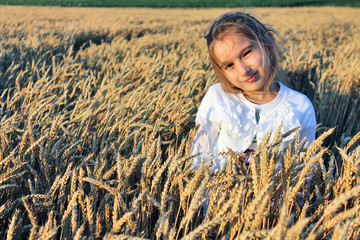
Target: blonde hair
point(244, 23)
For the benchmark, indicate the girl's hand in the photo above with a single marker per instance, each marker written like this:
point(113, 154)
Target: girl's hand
point(246, 157)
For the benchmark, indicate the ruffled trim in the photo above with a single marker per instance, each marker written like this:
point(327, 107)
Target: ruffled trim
point(283, 115)
point(238, 119)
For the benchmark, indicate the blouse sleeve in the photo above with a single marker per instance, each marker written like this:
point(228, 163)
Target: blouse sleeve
point(204, 141)
point(308, 124)
point(207, 135)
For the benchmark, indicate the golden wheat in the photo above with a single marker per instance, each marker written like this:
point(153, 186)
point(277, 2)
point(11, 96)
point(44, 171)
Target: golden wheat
point(97, 110)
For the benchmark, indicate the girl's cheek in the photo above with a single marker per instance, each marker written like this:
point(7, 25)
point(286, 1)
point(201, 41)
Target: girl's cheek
point(231, 75)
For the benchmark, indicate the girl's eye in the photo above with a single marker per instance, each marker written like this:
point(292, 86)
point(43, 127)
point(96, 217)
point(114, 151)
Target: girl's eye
point(247, 53)
point(230, 65)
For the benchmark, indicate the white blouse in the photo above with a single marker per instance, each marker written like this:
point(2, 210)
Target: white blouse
point(229, 121)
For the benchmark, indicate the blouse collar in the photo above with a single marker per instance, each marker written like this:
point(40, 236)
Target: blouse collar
point(265, 106)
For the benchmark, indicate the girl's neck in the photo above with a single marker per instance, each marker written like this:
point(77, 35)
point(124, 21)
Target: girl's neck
point(263, 97)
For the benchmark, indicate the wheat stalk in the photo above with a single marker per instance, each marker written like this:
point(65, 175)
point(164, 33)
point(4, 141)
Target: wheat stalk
point(12, 229)
point(90, 103)
point(205, 228)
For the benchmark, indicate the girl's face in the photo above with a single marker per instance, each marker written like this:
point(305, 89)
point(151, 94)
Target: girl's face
point(241, 60)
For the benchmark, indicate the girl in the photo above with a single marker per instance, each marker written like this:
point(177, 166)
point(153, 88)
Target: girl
point(239, 111)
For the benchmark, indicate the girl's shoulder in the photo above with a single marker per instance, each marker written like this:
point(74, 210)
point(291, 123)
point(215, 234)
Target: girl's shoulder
point(295, 98)
point(216, 90)
point(215, 95)
point(218, 104)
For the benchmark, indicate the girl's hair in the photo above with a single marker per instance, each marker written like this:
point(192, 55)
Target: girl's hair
point(244, 23)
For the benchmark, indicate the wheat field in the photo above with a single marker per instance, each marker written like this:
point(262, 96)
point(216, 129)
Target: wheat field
point(97, 110)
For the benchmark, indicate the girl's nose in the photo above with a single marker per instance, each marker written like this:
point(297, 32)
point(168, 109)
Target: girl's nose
point(243, 68)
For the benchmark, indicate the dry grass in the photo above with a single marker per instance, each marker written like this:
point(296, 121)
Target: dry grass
point(97, 111)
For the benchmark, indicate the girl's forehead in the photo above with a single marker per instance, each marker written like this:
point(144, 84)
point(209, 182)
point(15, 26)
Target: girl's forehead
point(234, 39)
point(230, 45)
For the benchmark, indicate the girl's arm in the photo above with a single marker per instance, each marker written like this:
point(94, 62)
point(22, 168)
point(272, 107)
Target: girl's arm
point(204, 141)
point(209, 117)
point(308, 124)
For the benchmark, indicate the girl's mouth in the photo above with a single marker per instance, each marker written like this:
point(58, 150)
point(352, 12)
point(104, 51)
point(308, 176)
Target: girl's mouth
point(252, 78)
